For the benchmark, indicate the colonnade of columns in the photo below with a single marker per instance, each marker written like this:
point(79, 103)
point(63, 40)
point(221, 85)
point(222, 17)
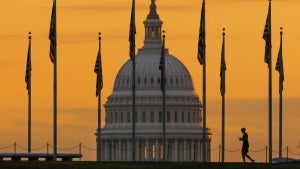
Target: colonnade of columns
point(187, 150)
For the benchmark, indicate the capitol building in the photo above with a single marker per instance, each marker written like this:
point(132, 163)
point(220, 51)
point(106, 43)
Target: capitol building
point(184, 132)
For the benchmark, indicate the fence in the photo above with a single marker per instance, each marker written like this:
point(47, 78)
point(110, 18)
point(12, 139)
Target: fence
point(287, 151)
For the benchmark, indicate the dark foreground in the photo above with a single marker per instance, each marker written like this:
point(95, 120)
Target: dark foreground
point(142, 165)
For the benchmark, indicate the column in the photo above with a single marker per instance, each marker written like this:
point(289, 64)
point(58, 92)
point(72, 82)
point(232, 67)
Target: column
point(115, 150)
point(120, 150)
point(147, 150)
point(191, 158)
point(128, 149)
point(137, 150)
point(167, 150)
point(103, 148)
point(193, 152)
point(106, 148)
point(170, 150)
point(156, 150)
point(200, 150)
point(113, 155)
point(184, 150)
point(208, 151)
point(175, 150)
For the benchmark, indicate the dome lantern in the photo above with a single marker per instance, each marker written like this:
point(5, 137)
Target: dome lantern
point(153, 28)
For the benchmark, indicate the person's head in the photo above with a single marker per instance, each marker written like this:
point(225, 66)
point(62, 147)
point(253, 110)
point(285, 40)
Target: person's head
point(243, 130)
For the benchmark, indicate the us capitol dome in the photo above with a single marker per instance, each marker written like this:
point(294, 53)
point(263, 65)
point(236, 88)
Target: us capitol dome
point(184, 132)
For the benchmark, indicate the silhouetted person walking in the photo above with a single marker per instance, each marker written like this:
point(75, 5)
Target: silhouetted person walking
point(245, 148)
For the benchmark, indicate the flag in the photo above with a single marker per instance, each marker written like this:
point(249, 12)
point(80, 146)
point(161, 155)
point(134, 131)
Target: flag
point(162, 67)
point(279, 67)
point(223, 68)
point(28, 68)
point(52, 33)
point(132, 32)
point(267, 37)
point(98, 71)
point(201, 40)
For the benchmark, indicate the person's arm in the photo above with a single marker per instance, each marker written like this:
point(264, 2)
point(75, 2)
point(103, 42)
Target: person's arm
point(244, 138)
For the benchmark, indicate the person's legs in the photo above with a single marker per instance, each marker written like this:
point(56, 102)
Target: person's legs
point(243, 157)
point(244, 152)
point(246, 155)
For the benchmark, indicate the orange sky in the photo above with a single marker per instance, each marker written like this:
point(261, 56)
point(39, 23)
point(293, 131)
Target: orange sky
point(78, 24)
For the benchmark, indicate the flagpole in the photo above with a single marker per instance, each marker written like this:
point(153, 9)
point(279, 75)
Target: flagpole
point(280, 125)
point(29, 100)
point(55, 93)
point(99, 107)
point(204, 94)
point(164, 98)
point(270, 87)
point(132, 33)
point(133, 109)
point(280, 99)
point(223, 98)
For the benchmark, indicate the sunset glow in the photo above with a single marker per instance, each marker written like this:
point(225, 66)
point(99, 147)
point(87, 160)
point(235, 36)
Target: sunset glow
point(78, 24)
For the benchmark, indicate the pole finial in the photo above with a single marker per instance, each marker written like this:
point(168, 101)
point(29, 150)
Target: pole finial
point(164, 36)
point(29, 34)
point(99, 36)
point(281, 30)
point(223, 31)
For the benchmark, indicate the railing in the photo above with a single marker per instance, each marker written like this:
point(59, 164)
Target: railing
point(287, 151)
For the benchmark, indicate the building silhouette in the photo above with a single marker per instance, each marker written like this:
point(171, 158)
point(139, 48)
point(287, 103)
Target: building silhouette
point(184, 133)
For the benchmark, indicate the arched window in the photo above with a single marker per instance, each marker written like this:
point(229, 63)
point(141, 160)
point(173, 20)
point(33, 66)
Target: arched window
point(128, 117)
point(182, 117)
point(136, 117)
point(152, 33)
point(189, 117)
point(122, 117)
point(175, 117)
point(168, 116)
point(111, 116)
point(144, 117)
point(146, 30)
point(116, 117)
point(106, 118)
point(160, 117)
point(152, 117)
